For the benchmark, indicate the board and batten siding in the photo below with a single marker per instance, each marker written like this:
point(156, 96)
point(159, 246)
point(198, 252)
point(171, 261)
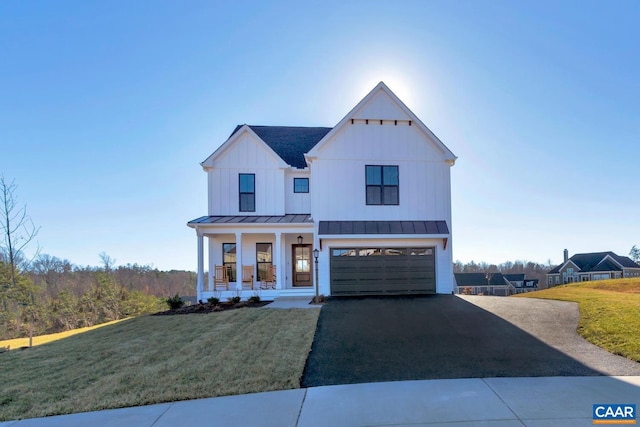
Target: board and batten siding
point(296, 202)
point(246, 156)
point(338, 174)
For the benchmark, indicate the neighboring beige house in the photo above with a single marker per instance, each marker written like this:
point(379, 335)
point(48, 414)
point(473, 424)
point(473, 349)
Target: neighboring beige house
point(592, 266)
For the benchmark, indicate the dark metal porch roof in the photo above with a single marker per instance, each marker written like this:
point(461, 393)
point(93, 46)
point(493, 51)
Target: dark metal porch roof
point(253, 219)
point(383, 227)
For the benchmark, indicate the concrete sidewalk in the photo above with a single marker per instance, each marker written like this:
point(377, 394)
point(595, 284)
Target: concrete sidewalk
point(541, 401)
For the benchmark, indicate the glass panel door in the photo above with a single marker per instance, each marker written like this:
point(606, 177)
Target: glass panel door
point(301, 265)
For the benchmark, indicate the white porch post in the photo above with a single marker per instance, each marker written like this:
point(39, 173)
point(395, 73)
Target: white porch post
point(277, 257)
point(200, 280)
point(212, 266)
point(238, 260)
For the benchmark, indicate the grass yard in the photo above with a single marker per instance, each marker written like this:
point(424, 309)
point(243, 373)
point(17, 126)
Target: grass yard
point(609, 312)
point(153, 359)
point(16, 343)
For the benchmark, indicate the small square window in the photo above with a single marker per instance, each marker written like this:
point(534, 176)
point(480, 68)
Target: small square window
point(300, 185)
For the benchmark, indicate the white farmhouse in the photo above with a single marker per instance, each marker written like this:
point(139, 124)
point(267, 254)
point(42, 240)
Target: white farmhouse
point(370, 197)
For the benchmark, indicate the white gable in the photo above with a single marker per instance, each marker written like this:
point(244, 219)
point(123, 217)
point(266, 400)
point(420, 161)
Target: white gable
point(381, 104)
point(244, 149)
point(245, 152)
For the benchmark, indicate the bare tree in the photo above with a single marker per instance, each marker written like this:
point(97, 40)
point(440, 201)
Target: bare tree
point(107, 262)
point(18, 231)
point(17, 227)
point(634, 253)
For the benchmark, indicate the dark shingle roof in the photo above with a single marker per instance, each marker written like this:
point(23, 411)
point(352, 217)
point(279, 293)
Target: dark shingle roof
point(624, 261)
point(606, 265)
point(478, 279)
point(497, 279)
point(289, 142)
point(555, 270)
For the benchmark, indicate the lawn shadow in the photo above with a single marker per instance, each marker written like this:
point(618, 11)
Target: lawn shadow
point(372, 339)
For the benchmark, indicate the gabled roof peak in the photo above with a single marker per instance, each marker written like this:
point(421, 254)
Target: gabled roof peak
point(291, 143)
point(449, 156)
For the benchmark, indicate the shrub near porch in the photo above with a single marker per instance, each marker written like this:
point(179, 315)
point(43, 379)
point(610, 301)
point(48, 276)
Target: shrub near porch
point(609, 312)
point(153, 359)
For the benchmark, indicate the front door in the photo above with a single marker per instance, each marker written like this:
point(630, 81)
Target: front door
point(302, 265)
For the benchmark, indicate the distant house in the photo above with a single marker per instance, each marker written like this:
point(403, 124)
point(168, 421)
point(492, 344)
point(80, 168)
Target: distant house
point(366, 205)
point(494, 284)
point(592, 266)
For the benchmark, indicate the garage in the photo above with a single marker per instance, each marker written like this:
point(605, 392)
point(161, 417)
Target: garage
point(382, 270)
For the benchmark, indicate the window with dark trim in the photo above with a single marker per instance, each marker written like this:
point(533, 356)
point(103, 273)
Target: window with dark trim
point(229, 259)
point(263, 258)
point(382, 185)
point(300, 185)
point(247, 185)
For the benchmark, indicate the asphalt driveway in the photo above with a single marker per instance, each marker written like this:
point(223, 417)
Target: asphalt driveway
point(375, 339)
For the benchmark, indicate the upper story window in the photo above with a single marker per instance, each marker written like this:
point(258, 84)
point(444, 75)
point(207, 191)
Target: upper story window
point(382, 185)
point(247, 192)
point(300, 185)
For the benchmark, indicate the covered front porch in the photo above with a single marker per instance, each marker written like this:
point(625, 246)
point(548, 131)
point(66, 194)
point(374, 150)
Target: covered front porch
point(244, 256)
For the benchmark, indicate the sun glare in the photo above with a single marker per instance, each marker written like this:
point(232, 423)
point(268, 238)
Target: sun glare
point(398, 78)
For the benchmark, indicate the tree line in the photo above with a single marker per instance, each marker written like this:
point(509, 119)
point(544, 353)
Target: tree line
point(47, 294)
point(52, 295)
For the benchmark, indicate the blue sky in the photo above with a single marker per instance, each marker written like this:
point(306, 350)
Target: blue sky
point(107, 108)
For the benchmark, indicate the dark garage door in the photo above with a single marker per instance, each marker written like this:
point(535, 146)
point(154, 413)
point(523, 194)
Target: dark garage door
point(375, 271)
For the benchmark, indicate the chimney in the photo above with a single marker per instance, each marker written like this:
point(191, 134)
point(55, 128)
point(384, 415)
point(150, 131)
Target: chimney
point(566, 255)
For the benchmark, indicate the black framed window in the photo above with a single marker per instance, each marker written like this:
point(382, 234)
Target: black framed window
point(382, 185)
point(300, 185)
point(247, 184)
point(229, 259)
point(263, 258)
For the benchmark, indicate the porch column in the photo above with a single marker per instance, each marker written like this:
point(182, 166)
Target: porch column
point(200, 280)
point(238, 260)
point(212, 265)
point(277, 257)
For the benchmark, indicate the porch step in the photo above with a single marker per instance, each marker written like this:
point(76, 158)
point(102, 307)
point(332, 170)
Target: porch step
point(297, 292)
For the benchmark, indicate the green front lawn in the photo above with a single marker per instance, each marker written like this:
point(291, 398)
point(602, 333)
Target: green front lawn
point(153, 359)
point(609, 312)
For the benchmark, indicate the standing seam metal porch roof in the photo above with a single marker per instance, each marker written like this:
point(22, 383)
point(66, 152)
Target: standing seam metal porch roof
point(383, 227)
point(253, 219)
